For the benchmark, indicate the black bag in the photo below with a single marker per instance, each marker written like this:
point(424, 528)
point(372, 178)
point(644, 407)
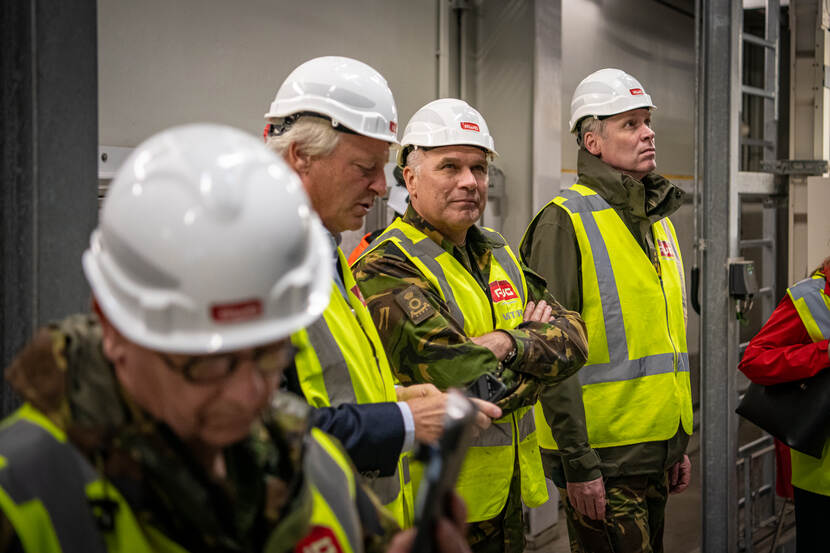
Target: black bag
point(797, 413)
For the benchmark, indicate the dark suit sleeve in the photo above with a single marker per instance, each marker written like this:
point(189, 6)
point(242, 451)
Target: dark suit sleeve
point(372, 433)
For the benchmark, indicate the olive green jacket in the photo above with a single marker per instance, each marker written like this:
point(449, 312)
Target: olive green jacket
point(550, 248)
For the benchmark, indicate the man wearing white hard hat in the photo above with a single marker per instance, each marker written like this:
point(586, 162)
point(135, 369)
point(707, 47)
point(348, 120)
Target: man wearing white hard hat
point(614, 437)
point(153, 424)
point(454, 307)
point(333, 121)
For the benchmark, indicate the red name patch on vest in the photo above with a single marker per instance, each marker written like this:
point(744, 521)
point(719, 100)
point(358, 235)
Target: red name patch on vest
point(501, 290)
point(236, 312)
point(635, 91)
point(467, 126)
point(665, 249)
point(321, 539)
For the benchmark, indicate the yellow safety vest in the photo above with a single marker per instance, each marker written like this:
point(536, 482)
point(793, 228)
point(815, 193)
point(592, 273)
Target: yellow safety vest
point(49, 492)
point(340, 359)
point(635, 383)
point(813, 307)
point(488, 467)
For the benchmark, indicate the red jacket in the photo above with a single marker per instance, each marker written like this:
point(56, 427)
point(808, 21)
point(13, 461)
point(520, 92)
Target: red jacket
point(783, 351)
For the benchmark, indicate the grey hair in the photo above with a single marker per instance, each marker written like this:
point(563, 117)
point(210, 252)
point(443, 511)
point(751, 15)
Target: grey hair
point(589, 124)
point(314, 136)
point(415, 159)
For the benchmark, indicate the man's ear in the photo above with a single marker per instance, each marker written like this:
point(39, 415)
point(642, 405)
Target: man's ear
point(593, 143)
point(298, 159)
point(112, 342)
point(409, 179)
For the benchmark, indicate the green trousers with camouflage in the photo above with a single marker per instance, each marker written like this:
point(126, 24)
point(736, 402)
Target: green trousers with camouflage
point(634, 517)
point(505, 532)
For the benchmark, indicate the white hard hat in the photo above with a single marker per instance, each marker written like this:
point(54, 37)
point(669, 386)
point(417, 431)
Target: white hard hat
point(607, 92)
point(446, 122)
point(207, 243)
point(347, 91)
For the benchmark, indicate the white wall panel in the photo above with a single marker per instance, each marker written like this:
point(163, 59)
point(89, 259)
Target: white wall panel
point(163, 63)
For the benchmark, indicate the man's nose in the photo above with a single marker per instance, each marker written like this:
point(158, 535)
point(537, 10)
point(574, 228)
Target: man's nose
point(467, 179)
point(247, 383)
point(378, 184)
point(648, 133)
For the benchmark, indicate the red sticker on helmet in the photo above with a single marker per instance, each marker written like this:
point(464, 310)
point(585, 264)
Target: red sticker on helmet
point(636, 91)
point(321, 539)
point(501, 290)
point(236, 312)
point(467, 126)
point(393, 127)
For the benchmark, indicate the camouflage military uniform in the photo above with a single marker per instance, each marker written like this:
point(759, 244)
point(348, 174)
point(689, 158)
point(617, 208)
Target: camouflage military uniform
point(428, 345)
point(64, 374)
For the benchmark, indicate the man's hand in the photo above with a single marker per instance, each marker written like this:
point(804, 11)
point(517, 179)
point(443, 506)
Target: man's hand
point(428, 413)
point(680, 474)
point(450, 533)
point(538, 312)
point(588, 498)
point(405, 393)
point(486, 413)
point(500, 343)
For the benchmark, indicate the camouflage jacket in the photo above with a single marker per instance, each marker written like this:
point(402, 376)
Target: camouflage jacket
point(64, 374)
point(433, 347)
point(551, 248)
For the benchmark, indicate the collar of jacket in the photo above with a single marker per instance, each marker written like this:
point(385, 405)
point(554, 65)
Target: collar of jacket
point(653, 198)
point(475, 238)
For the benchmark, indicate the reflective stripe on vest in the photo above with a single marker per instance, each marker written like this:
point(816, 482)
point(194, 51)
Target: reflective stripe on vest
point(340, 359)
point(813, 307)
point(330, 475)
point(488, 467)
point(39, 468)
point(634, 394)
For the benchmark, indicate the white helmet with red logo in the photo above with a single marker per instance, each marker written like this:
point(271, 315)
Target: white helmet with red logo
point(347, 91)
point(207, 243)
point(446, 122)
point(607, 92)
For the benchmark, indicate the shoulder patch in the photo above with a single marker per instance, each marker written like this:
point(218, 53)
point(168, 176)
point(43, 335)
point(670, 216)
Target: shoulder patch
point(416, 306)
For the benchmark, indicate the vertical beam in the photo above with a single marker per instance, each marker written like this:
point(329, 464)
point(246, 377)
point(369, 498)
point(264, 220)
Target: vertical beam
point(547, 102)
point(771, 56)
point(48, 78)
point(720, 86)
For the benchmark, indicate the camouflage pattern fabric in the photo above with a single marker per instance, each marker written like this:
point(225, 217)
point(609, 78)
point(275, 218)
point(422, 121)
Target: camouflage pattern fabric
point(64, 374)
point(504, 533)
point(634, 519)
point(429, 345)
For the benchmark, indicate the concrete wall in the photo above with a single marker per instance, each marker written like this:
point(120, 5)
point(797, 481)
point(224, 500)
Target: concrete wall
point(164, 63)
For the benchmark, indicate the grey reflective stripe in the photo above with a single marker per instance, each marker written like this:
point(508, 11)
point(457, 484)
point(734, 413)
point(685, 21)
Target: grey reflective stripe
point(632, 368)
point(405, 464)
point(810, 290)
point(498, 434)
point(527, 425)
point(386, 488)
point(40, 467)
point(577, 203)
point(333, 484)
point(620, 367)
point(336, 374)
point(426, 251)
point(514, 272)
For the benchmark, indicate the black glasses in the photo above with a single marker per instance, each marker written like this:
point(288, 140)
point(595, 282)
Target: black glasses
point(269, 360)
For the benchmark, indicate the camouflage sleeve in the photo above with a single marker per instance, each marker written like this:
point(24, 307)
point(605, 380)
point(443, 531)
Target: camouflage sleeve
point(550, 247)
point(423, 342)
point(549, 351)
